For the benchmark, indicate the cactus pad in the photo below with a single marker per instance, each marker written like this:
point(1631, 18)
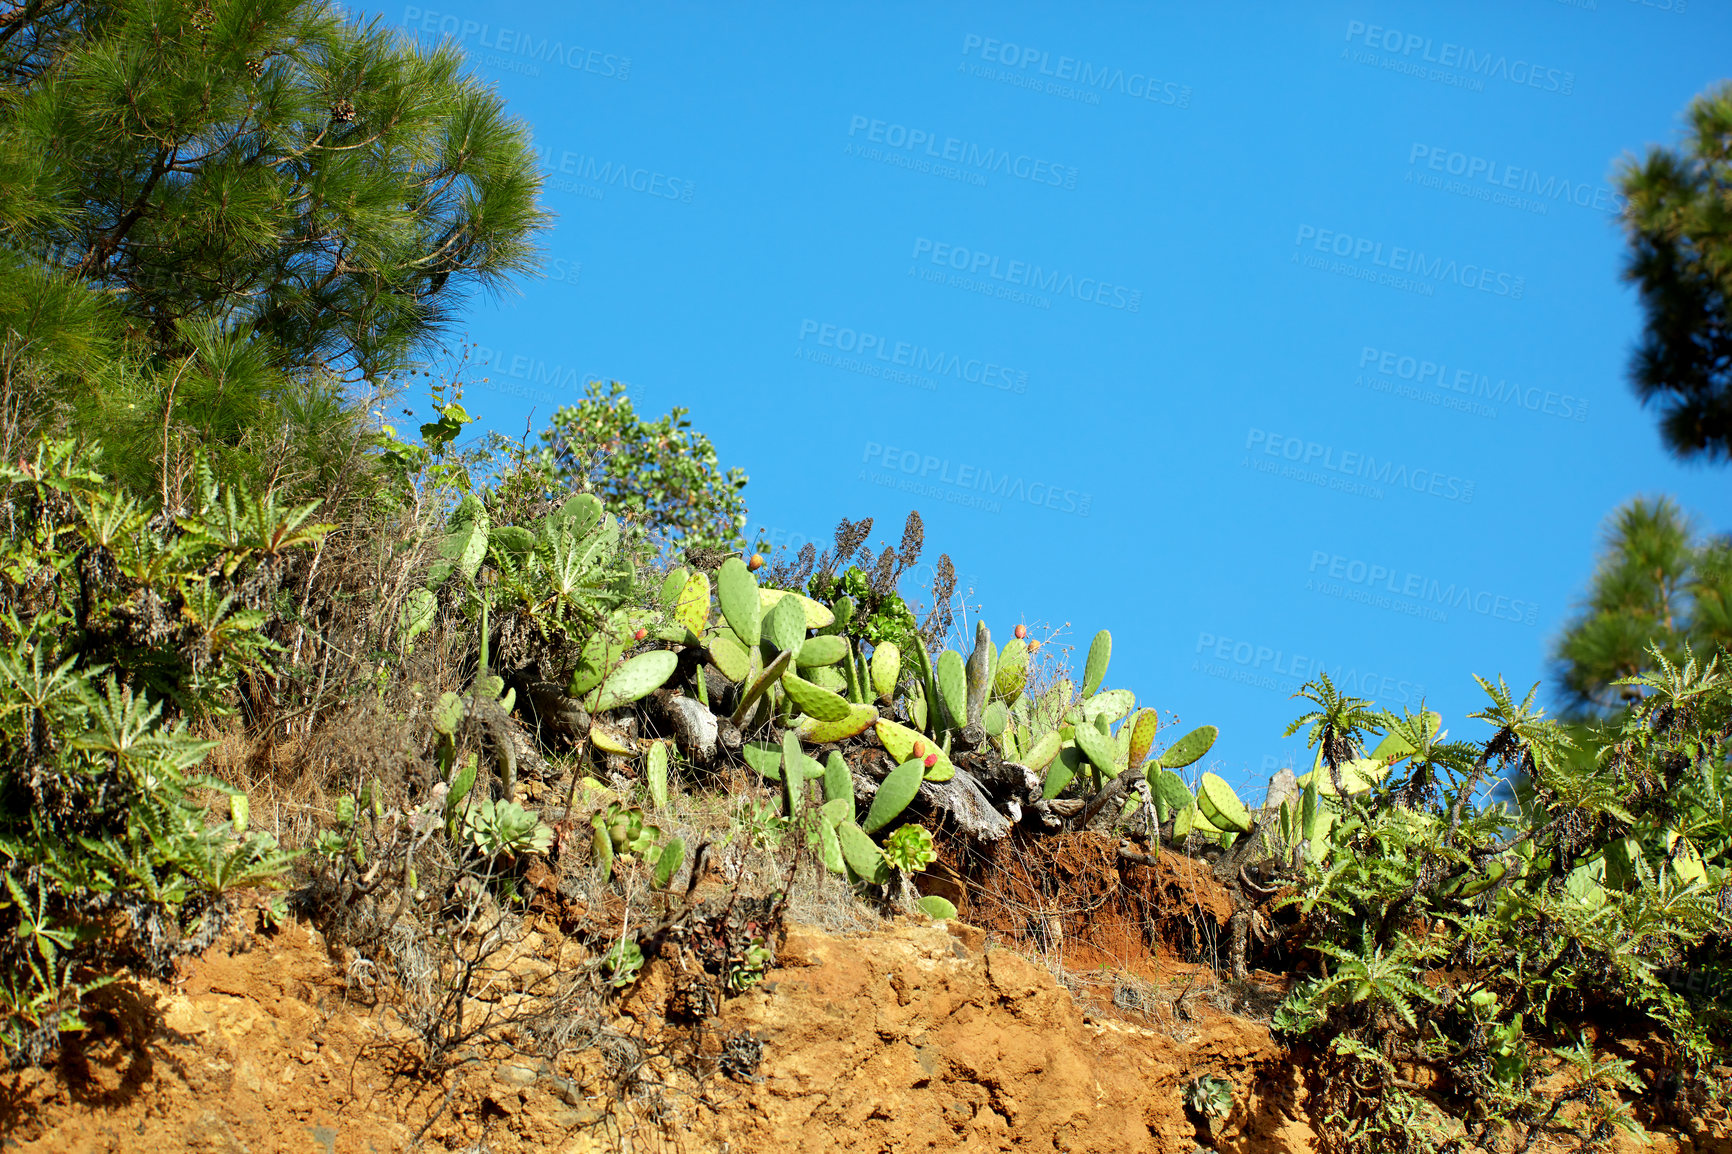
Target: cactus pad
point(886, 668)
point(1171, 794)
point(952, 687)
point(1189, 748)
point(783, 625)
point(1143, 728)
point(693, 607)
point(609, 742)
point(862, 854)
point(656, 774)
point(765, 757)
point(636, 679)
point(898, 741)
point(894, 794)
point(819, 651)
point(838, 781)
point(858, 720)
point(937, 908)
point(1095, 669)
point(1096, 746)
point(1221, 805)
point(737, 590)
point(814, 702)
point(730, 657)
point(1062, 770)
point(817, 614)
point(1112, 704)
point(1043, 751)
point(1012, 672)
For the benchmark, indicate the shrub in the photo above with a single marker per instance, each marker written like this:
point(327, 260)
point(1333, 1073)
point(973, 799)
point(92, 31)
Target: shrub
point(1581, 903)
point(116, 628)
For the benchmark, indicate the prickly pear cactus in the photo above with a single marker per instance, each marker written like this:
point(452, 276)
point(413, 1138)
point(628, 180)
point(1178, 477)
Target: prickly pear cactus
point(1095, 670)
point(886, 669)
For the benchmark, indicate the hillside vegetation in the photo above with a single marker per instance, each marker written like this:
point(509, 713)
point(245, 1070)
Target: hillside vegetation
point(424, 690)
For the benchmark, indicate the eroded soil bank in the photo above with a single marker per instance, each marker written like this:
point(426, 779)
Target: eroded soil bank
point(914, 1037)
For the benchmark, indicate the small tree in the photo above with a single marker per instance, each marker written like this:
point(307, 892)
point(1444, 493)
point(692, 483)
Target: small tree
point(661, 474)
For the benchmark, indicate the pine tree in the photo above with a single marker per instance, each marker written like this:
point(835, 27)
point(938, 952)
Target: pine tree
point(1678, 222)
point(1656, 584)
point(266, 205)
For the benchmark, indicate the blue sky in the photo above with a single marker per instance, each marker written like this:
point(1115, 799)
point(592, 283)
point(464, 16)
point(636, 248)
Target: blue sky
point(1274, 338)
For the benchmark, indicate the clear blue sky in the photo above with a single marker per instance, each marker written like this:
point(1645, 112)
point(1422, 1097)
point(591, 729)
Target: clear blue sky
point(1274, 338)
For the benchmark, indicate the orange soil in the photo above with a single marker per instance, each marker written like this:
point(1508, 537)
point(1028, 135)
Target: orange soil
point(917, 1037)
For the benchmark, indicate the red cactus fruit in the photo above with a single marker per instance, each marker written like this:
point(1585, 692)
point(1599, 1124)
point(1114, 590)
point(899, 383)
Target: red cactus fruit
point(1021, 632)
point(931, 760)
point(756, 563)
point(920, 749)
point(640, 635)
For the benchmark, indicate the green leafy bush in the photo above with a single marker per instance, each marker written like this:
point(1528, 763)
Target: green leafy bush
point(661, 475)
point(117, 626)
point(1579, 903)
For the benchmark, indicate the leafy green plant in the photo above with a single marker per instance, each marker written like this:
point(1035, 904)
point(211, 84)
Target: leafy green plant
point(621, 832)
point(660, 475)
point(114, 630)
point(1611, 866)
point(498, 827)
point(748, 969)
point(910, 849)
point(622, 963)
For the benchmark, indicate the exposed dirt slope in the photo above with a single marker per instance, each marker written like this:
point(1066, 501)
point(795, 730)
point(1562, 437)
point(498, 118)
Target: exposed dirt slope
point(912, 1038)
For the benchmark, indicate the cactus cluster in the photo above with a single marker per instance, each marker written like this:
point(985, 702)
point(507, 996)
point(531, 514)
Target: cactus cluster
point(786, 672)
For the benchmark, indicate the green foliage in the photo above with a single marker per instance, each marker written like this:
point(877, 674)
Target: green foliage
point(910, 849)
point(622, 832)
point(751, 966)
point(228, 163)
point(498, 827)
point(114, 630)
point(1209, 1096)
point(1656, 585)
point(622, 963)
point(660, 475)
point(1680, 260)
point(1611, 872)
point(215, 219)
